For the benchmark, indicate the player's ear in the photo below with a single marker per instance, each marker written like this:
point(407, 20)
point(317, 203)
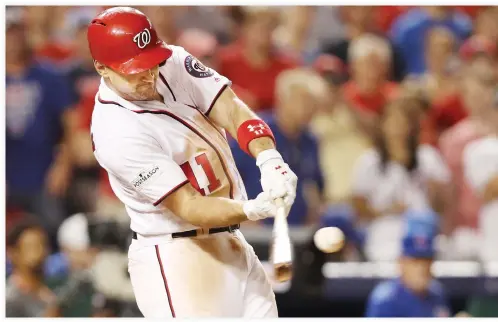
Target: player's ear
point(101, 68)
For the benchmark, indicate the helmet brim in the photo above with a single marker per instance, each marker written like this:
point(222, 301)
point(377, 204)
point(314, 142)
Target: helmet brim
point(146, 60)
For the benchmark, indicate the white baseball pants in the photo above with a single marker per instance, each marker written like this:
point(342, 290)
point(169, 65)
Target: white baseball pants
point(216, 275)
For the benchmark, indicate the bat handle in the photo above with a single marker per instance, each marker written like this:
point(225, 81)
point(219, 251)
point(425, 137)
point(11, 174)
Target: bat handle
point(280, 226)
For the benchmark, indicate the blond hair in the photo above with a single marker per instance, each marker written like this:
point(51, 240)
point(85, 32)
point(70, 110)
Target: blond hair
point(369, 44)
point(300, 79)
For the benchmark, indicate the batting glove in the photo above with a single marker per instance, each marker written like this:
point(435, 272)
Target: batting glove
point(260, 208)
point(277, 178)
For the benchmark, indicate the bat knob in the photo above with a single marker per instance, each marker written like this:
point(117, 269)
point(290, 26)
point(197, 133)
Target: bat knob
point(283, 272)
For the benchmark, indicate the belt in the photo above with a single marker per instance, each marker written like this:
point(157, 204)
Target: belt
point(195, 232)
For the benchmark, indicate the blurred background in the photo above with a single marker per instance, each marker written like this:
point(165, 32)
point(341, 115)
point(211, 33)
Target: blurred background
point(372, 107)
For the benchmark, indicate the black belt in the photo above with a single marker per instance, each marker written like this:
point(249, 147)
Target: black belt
point(195, 232)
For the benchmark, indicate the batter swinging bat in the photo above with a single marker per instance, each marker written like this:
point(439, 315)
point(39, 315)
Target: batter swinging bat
point(281, 246)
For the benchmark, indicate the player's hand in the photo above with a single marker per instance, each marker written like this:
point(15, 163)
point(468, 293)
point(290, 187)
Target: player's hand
point(260, 208)
point(276, 177)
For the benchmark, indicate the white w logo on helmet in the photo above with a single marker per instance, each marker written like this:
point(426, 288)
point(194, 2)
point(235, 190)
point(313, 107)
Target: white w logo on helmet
point(142, 39)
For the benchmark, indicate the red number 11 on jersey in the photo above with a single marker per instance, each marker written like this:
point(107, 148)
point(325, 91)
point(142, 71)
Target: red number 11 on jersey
point(202, 160)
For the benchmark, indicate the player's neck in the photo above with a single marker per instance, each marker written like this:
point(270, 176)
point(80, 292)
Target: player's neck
point(155, 97)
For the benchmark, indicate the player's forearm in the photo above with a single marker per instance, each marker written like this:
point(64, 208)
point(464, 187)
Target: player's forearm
point(214, 211)
point(259, 145)
point(204, 211)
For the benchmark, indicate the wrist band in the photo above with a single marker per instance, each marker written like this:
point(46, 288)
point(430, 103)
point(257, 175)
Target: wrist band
point(250, 130)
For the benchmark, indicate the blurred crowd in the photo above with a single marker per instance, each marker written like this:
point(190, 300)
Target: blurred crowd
point(378, 110)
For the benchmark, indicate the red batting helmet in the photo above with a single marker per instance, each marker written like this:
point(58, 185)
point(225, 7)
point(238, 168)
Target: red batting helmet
point(124, 39)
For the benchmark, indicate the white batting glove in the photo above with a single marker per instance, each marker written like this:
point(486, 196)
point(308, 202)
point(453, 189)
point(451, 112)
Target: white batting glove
point(260, 208)
point(276, 177)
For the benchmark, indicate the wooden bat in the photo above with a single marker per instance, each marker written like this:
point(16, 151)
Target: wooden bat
point(281, 246)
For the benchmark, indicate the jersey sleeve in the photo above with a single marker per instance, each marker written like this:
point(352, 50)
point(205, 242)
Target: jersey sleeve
point(480, 162)
point(203, 84)
point(142, 166)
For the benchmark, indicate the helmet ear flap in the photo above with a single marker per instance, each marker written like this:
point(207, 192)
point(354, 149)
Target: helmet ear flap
point(100, 68)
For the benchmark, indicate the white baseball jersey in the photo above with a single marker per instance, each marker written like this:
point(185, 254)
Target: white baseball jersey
point(150, 149)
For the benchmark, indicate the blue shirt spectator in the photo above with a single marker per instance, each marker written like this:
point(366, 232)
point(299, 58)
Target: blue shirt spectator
point(415, 293)
point(393, 299)
point(35, 103)
point(37, 99)
point(300, 153)
point(408, 33)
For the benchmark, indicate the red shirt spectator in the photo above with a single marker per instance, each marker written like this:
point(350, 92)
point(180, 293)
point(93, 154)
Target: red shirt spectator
point(371, 102)
point(385, 16)
point(256, 83)
point(252, 63)
point(447, 112)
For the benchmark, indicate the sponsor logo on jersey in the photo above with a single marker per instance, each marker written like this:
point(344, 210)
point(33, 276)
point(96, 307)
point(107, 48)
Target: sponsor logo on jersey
point(144, 176)
point(195, 68)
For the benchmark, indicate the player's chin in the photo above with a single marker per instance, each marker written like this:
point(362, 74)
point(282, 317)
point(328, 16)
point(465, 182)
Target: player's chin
point(145, 92)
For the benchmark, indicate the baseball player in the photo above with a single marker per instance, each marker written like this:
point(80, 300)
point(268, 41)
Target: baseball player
point(158, 128)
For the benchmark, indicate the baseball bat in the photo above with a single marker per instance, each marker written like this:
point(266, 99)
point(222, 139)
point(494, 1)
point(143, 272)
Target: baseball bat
point(281, 246)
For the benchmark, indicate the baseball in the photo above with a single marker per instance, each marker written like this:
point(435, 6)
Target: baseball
point(329, 239)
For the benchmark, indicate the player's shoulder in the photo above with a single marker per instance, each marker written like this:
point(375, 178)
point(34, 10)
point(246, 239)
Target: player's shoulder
point(183, 62)
point(111, 121)
point(385, 291)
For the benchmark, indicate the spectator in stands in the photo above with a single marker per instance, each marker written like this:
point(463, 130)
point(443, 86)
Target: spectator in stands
point(486, 24)
point(360, 21)
point(478, 79)
point(386, 15)
point(251, 63)
point(84, 82)
point(200, 44)
point(291, 36)
point(75, 284)
point(39, 124)
point(480, 163)
point(213, 20)
point(399, 173)
point(369, 90)
point(58, 50)
point(26, 292)
point(440, 82)
point(415, 293)
point(480, 168)
point(299, 93)
point(409, 32)
point(340, 140)
point(440, 61)
point(163, 19)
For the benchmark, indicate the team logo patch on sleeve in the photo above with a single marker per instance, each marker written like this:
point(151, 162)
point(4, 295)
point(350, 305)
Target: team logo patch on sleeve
point(195, 68)
point(144, 176)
